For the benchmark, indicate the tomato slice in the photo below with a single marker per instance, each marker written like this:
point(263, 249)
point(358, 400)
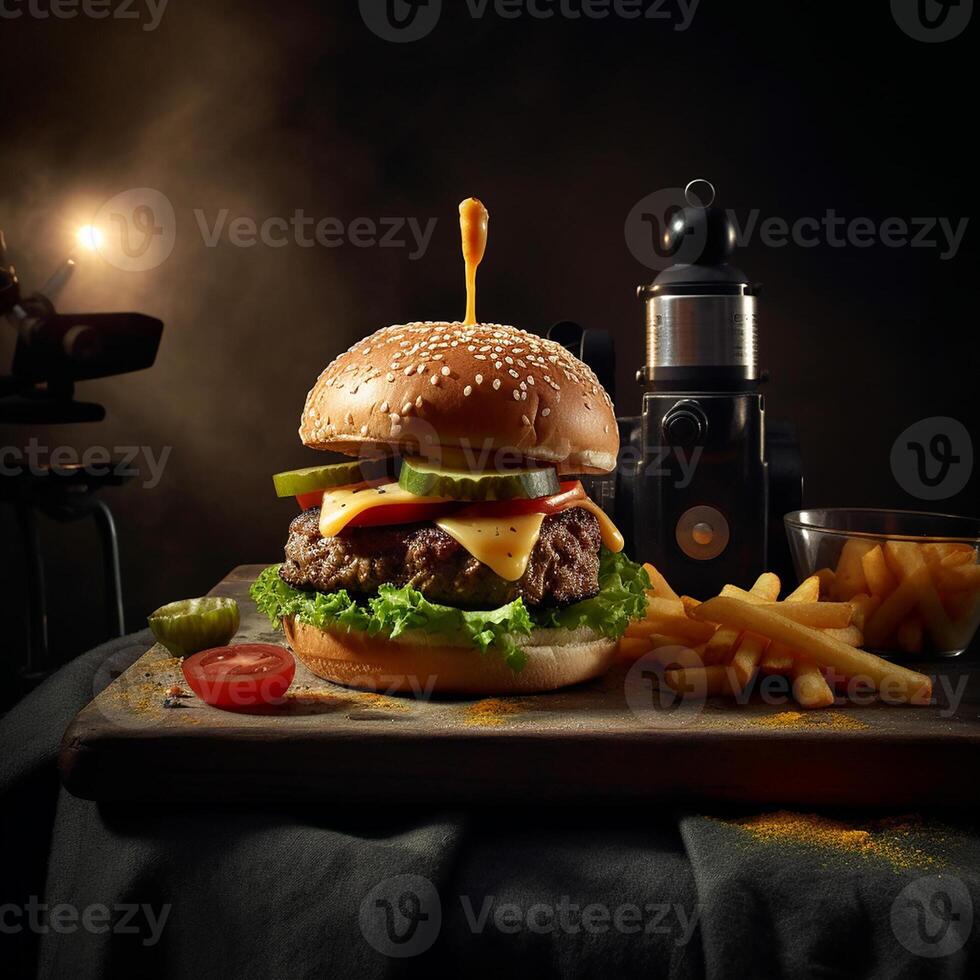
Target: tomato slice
point(402, 513)
point(312, 499)
point(240, 677)
point(571, 492)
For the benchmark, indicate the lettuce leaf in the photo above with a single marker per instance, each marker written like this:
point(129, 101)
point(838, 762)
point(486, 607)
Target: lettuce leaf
point(621, 599)
point(393, 611)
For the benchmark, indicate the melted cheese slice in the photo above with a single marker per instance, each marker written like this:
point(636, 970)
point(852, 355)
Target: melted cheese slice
point(341, 506)
point(504, 544)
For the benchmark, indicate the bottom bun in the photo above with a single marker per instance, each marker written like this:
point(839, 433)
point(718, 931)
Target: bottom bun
point(414, 665)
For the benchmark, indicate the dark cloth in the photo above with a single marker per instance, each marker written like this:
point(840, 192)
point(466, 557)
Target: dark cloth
point(522, 891)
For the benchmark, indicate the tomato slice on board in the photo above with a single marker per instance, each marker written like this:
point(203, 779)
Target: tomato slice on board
point(570, 494)
point(240, 677)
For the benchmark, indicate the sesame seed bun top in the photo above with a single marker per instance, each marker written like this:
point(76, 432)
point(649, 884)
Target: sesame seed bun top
point(479, 395)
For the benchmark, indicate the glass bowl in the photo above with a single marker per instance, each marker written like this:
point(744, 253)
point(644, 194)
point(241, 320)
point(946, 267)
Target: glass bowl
point(920, 571)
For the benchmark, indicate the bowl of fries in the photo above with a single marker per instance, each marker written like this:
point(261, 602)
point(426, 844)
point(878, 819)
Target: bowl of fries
point(917, 574)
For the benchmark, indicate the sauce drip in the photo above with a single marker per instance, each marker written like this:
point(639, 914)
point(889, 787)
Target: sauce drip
point(473, 218)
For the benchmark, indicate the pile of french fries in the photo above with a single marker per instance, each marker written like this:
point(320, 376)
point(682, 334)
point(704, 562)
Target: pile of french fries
point(917, 596)
point(815, 643)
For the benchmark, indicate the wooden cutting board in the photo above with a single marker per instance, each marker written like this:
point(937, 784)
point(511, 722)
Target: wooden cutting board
point(608, 740)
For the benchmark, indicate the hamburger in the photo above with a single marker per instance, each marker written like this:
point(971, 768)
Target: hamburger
point(454, 552)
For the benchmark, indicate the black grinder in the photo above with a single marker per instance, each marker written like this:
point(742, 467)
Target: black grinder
point(703, 479)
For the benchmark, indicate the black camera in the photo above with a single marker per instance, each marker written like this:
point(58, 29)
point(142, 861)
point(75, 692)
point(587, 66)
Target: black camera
point(703, 479)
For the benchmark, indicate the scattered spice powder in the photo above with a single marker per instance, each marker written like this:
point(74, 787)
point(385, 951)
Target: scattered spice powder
point(888, 839)
point(834, 720)
point(493, 711)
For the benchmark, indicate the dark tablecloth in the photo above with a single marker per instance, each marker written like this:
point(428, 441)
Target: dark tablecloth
point(89, 890)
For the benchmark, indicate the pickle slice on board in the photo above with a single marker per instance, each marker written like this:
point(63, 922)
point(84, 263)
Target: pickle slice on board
point(427, 480)
point(294, 482)
point(191, 625)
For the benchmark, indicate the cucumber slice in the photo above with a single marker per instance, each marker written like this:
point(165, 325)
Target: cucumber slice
point(191, 625)
point(292, 482)
point(426, 480)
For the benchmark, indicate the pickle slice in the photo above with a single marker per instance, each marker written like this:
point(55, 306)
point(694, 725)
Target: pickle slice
point(191, 625)
point(427, 480)
point(294, 482)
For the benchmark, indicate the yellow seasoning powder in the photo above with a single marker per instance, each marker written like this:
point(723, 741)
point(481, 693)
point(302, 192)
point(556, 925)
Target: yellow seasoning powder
point(888, 839)
point(492, 711)
point(832, 720)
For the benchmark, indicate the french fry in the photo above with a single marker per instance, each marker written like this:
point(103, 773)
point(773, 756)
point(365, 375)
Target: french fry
point(881, 626)
point(863, 606)
point(820, 615)
point(937, 551)
point(658, 583)
point(905, 559)
point(657, 607)
point(633, 647)
point(850, 635)
point(688, 631)
point(703, 681)
point(810, 688)
point(748, 656)
point(908, 636)
point(722, 643)
point(849, 577)
point(877, 574)
point(779, 659)
point(828, 582)
point(957, 578)
point(807, 591)
point(689, 603)
point(899, 683)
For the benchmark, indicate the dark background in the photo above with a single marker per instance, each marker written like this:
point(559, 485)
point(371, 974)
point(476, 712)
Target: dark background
point(560, 126)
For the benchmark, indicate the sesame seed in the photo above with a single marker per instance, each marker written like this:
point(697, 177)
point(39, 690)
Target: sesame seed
point(496, 384)
point(467, 391)
point(513, 373)
point(363, 430)
point(421, 368)
point(408, 370)
point(395, 418)
point(438, 357)
point(389, 376)
point(418, 402)
point(383, 407)
point(498, 365)
point(545, 412)
point(479, 357)
point(517, 395)
point(479, 379)
point(525, 420)
point(445, 371)
point(406, 408)
point(509, 360)
point(530, 380)
point(434, 380)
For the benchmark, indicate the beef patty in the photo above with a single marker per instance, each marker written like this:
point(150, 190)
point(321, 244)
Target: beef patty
point(563, 568)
